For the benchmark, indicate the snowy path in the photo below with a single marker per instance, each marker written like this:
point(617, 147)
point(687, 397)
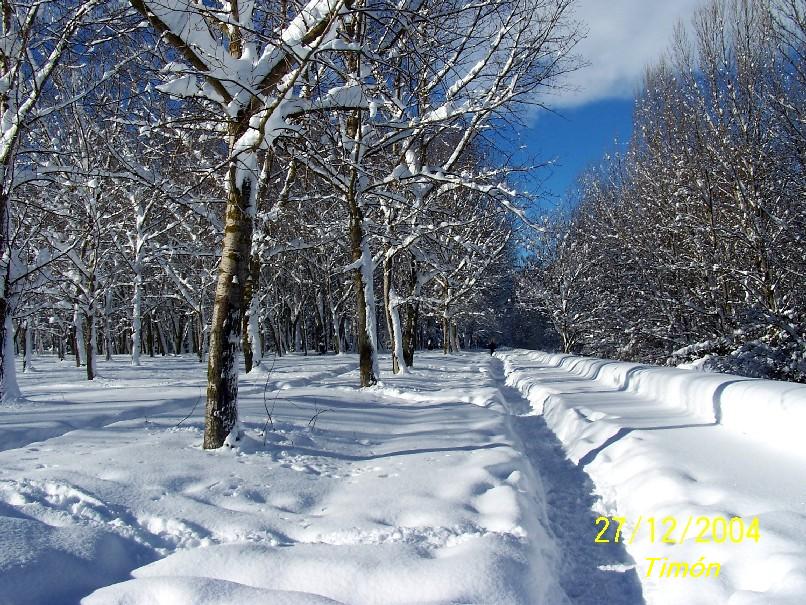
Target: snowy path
point(591, 574)
point(663, 455)
point(415, 492)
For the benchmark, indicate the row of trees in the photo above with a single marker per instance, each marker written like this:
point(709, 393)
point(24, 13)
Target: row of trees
point(229, 177)
point(691, 243)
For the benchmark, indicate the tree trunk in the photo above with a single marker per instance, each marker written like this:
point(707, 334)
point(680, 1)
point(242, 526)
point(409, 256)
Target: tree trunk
point(398, 353)
point(324, 325)
point(9, 390)
point(74, 345)
point(412, 312)
point(137, 266)
point(274, 328)
point(338, 341)
point(27, 364)
point(393, 334)
point(78, 324)
point(252, 343)
point(334, 325)
point(108, 325)
point(221, 414)
point(410, 333)
point(364, 296)
point(344, 344)
point(304, 332)
point(161, 340)
point(89, 346)
point(150, 335)
point(203, 336)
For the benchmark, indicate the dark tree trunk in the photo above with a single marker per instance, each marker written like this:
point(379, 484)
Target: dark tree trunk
point(248, 292)
point(412, 310)
point(221, 412)
point(304, 334)
point(365, 352)
point(150, 336)
point(5, 390)
point(74, 345)
point(200, 338)
point(410, 333)
point(89, 347)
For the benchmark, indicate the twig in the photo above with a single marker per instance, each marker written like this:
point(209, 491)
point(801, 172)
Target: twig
point(315, 417)
point(269, 419)
point(195, 405)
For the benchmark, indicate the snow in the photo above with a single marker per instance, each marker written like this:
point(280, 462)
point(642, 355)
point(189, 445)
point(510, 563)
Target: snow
point(472, 479)
point(107, 496)
point(314, 12)
point(184, 86)
point(661, 442)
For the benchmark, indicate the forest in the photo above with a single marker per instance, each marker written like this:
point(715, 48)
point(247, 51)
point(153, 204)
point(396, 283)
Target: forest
point(293, 310)
point(691, 243)
point(243, 177)
point(246, 179)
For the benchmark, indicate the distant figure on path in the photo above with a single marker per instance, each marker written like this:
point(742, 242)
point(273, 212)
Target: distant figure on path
point(492, 346)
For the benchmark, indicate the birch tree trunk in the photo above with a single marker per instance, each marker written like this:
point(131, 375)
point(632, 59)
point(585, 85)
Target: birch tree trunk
point(78, 326)
point(387, 308)
point(225, 333)
point(398, 354)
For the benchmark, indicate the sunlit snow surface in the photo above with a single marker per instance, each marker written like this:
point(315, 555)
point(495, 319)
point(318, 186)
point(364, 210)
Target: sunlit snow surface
point(663, 442)
point(442, 486)
point(414, 492)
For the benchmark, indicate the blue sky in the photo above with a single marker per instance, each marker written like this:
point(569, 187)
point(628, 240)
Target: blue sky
point(575, 138)
point(623, 37)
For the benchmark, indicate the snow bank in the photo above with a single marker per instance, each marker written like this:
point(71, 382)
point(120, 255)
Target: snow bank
point(41, 562)
point(179, 590)
point(765, 410)
point(674, 446)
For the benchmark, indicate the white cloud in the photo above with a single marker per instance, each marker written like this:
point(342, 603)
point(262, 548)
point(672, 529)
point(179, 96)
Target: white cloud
point(624, 36)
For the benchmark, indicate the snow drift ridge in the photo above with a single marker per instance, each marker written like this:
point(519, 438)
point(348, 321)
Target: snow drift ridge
point(767, 410)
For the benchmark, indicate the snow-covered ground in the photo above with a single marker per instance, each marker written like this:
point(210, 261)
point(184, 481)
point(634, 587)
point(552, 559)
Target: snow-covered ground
point(425, 490)
point(472, 480)
point(673, 446)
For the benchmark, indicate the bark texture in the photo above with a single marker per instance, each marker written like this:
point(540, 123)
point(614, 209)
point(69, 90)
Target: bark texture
point(225, 331)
